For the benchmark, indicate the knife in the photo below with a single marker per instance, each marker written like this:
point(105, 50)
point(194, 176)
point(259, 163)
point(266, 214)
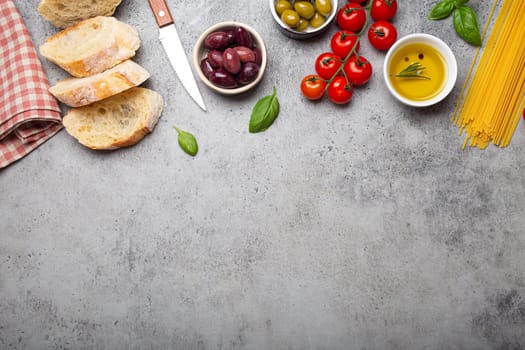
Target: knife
point(173, 46)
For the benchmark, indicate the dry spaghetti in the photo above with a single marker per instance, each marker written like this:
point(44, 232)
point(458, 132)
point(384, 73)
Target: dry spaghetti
point(491, 101)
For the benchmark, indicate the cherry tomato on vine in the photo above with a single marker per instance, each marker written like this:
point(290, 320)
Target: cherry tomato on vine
point(343, 42)
point(327, 64)
point(351, 17)
point(383, 10)
point(340, 90)
point(382, 35)
point(313, 86)
point(358, 70)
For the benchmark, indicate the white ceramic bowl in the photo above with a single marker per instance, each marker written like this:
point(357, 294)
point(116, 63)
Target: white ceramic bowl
point(200, 51)
point(450, 65)
point(309, 32)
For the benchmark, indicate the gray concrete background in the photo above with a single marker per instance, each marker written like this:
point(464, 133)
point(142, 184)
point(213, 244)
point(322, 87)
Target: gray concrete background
point(356, 227)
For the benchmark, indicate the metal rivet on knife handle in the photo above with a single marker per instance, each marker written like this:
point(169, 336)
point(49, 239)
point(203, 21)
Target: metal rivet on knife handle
point(161, 12)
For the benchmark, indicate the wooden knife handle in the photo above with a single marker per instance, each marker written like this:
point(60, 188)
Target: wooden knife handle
point(161, 12)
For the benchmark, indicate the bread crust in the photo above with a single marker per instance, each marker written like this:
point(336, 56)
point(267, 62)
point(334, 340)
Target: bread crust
point(77, 92)
point(65, 13)
point(105, 42)
point(122, 120)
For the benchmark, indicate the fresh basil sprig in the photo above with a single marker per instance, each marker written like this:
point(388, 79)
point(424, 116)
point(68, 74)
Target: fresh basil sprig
point(464, 18)
point(187, 142)
point(264, 113)
point(442, 9)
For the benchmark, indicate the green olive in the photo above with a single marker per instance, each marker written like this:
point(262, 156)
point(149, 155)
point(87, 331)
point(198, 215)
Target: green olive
point(302, 25)
point(304, 8)
point(282, 5)
point(290, 18)
point(317, 20)
point(324, 7)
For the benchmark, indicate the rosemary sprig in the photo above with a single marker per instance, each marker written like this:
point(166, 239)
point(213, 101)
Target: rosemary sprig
point(414, 70)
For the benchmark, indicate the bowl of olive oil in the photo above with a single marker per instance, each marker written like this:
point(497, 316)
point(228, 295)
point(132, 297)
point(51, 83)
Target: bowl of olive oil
point(420, 70)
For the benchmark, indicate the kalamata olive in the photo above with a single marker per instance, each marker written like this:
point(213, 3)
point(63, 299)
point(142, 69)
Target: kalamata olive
point(231, 61)
point(248, 73)
point(217, 40)
point(245, 54)
point(215, 58)
point(258, 55)
point(222, 78)
point(206, 68)
point(230, 33)
point(243, 37)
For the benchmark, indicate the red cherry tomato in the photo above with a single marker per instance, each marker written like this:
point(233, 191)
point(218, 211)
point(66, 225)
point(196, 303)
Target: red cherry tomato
point(351, 17)
point(358, 70)
point(340, 90)
point(383, 10)
point(382, 35)
point(343, 42)
point(313, 87)
point(327, 64)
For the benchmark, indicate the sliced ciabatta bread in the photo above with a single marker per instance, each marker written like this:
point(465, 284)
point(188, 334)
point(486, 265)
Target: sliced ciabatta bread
point(77, 92)
point(91, 46)
point(65, 13)
point(119, 121)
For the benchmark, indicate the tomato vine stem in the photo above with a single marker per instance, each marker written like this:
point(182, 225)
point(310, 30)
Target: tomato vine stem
point(354, 47)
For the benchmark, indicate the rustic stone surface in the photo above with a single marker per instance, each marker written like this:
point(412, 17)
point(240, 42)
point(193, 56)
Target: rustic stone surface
point(357, 227)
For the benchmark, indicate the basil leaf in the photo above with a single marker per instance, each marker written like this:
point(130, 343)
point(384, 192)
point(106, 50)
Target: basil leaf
point(187, 142)
point(443, 9)
point(460, 3)
point(264, 113)
point(466, 25)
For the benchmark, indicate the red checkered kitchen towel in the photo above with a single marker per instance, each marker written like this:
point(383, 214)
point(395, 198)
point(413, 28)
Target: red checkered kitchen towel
point(29, 115)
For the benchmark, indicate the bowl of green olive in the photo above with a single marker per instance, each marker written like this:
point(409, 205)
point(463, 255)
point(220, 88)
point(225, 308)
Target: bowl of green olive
point(303, 19)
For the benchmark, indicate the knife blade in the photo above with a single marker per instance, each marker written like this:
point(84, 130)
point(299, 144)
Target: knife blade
point(172, 44)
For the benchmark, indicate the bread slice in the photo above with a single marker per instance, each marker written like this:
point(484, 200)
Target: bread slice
point(91, 46)
point(119, 121)
point(65, 13)
point(77, 92)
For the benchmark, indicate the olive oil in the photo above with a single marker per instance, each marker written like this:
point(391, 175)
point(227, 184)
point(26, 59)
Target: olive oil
point(424, 83)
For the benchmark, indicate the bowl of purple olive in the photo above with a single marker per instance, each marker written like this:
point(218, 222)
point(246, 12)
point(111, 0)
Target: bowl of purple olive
point(230, 57)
